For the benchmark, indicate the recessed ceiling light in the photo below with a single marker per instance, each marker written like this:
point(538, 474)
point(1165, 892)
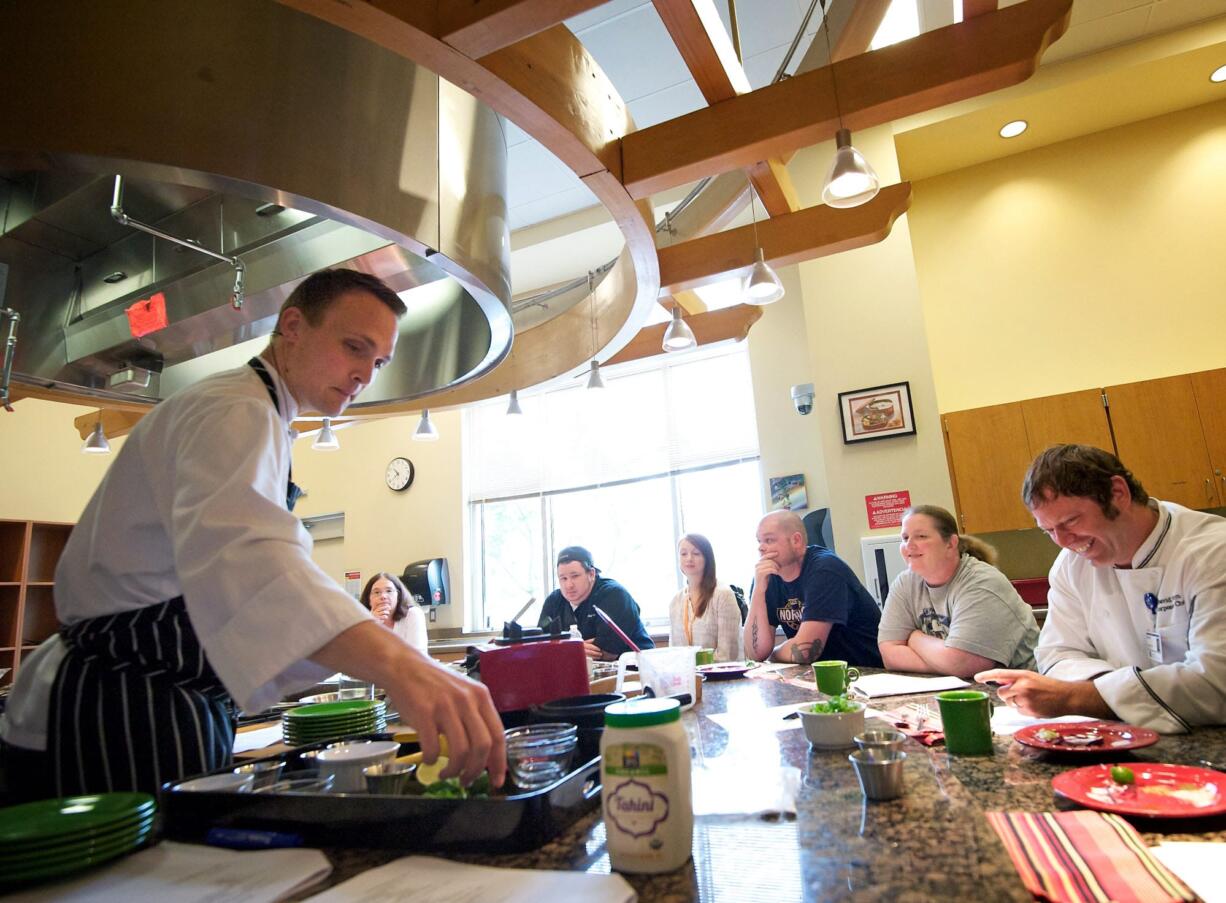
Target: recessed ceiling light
point(1219, 74)
point(1013, 129)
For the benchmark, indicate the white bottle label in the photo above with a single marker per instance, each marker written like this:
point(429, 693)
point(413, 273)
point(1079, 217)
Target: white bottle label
point(636, 792)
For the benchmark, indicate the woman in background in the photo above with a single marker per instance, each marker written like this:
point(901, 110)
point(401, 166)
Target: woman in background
point(705, 613)
point(952, 611)
point(390, 602)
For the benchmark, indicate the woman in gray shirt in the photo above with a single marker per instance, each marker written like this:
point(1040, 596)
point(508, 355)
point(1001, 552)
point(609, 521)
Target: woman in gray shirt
point(952, 611)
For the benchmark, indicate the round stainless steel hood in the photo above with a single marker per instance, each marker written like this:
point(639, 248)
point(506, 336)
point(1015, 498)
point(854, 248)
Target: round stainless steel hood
point(258, 132)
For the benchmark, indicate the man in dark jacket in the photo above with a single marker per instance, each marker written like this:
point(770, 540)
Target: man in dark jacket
point(581, 590)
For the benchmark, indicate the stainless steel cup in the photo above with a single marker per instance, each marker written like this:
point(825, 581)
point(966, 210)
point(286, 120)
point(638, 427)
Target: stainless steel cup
point(387, 779)
point(887, 740)
point(879, 772)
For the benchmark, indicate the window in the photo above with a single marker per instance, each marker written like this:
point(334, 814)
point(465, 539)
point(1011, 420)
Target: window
point(663, 450)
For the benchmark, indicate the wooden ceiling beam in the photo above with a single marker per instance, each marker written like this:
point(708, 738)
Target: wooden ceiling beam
point(699, 34)
point(983, 54)
point(114, 423)
point(808, 234)
point(479, 27)
point(856, 26)
point(708, 328)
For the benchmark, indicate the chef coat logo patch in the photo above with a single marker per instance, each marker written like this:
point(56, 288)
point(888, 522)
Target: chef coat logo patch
point(789, 613)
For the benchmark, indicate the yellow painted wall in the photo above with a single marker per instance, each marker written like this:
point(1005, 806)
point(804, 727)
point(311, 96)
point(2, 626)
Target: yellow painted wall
point(1086, 263)
point(385, 530)
point(43, 475)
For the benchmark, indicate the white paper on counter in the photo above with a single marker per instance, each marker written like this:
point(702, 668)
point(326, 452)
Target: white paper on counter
point(188, 873)
point(731, 790)
point(1006, 721)
point(876, 685)
point(771, 719)
point(257, 739)
point(1198, 865)
point(429, 880)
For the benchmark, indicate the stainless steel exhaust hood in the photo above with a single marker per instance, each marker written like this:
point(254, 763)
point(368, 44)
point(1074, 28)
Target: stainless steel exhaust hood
point(258, 133)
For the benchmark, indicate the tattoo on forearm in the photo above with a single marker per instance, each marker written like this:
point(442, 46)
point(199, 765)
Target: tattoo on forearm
point(753, 637)
point(806, 654)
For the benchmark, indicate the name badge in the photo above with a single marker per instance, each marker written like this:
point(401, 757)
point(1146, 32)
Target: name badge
point(1153, 644)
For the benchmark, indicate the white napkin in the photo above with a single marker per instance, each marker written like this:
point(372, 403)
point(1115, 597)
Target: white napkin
point(1198, 865)
point(1007, 721)
point(876, 685)
point(725, 790)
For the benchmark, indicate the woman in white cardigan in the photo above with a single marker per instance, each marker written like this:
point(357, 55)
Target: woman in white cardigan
point(390, 601)
point(705, 613)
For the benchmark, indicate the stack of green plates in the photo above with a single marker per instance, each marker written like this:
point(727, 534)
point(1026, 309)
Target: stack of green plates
point(56, 837)
point(333, 720)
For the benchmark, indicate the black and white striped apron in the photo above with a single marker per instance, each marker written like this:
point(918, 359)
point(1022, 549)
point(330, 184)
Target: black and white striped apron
point(135, 702)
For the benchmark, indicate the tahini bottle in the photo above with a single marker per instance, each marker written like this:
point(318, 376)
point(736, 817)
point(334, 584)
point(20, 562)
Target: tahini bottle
point(645, 777)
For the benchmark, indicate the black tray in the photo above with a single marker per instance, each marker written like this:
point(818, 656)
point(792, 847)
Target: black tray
point(514, 823)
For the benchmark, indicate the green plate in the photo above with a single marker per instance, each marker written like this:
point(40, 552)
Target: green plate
point(132, 834)
point(331, 709)
point(68, 864)
point(339, 722)
point(69, 815)
point(12, 852)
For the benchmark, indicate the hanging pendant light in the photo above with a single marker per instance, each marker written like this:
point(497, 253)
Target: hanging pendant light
point(762, 285)
point(678, 336)
point(96, 444)
point(326, 440)
point(513, 407)
point(850, 181)
point(425, 431)
point(594, 380)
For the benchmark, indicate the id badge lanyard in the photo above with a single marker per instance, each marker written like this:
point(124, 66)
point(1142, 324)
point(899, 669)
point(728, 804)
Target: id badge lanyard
point(1153, 639)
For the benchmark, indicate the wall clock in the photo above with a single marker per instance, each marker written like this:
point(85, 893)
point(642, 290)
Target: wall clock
point(399, 475)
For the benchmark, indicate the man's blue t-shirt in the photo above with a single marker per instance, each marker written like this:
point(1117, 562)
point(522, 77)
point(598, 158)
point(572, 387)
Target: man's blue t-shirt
point(827, 590)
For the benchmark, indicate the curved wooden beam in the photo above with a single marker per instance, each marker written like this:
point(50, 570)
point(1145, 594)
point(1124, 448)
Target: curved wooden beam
point(811, 233)
point(983, 54)
point(478, 27)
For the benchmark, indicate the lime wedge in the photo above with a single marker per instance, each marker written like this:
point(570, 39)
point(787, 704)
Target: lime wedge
point(428, 774)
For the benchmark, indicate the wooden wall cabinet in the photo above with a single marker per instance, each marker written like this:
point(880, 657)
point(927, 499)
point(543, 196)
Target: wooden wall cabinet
point(29, 552)
point(1159, 437)
point(990, 449)
point(1210, 389)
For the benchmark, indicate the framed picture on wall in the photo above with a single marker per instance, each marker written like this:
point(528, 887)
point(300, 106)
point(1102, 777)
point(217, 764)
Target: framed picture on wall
point(879, 412)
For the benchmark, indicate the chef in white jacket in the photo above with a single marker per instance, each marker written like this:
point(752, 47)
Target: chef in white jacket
point(1136, 624)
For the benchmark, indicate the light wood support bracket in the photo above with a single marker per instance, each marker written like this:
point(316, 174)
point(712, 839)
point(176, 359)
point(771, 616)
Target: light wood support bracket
point(811, 233)
point(708, 328)
point(986, 53)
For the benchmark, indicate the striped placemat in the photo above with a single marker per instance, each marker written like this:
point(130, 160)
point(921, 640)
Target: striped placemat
point(1085, 856)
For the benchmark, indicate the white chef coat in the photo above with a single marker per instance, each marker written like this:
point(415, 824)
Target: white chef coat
point(1097, 621)
point(194, 505)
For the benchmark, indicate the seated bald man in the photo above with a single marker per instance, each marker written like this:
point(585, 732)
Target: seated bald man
point(825, 612)
point(1136, 623)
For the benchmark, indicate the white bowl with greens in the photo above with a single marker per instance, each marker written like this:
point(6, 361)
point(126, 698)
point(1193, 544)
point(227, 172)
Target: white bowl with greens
point(832, 723)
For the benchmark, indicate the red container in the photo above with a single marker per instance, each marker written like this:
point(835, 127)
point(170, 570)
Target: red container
point(521, 675)
point(1033, 591)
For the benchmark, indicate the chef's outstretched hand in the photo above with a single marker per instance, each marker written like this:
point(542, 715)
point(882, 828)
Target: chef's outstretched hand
point(1038, 696)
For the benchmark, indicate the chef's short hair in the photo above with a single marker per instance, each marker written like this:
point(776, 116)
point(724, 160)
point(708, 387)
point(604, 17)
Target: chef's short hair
point(1080, 471)
point(315, 294)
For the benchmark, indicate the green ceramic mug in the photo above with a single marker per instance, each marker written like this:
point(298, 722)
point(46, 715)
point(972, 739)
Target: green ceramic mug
point(834, 677)
point(967, 719)
point(704, 657)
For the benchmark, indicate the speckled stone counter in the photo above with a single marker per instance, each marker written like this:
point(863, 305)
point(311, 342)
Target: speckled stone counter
point(931, 844)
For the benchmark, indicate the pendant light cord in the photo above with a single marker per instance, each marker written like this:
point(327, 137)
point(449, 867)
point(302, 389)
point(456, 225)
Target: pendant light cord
point(834, 82)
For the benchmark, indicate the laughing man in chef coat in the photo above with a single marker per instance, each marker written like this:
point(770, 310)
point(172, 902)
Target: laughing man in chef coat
point(1136, 624)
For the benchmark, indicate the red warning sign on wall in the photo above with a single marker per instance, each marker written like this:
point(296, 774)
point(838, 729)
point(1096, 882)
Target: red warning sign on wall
point(885, 508)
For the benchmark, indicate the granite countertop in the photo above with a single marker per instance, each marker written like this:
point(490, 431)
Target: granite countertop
point(932, 843)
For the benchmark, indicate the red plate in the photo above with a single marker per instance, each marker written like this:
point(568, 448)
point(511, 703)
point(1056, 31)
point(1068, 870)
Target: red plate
point(724, 670)
point(1159, 791)
point(1114, 736)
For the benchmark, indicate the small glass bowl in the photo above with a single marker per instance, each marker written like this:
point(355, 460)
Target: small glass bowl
point(539, 754)
point(312, 783)
point(263, 773)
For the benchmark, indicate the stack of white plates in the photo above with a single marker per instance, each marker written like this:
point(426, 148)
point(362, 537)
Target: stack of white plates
point(60, 836)
point(333, 720)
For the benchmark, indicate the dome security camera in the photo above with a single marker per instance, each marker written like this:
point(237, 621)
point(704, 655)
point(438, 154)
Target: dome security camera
point(802, 398)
